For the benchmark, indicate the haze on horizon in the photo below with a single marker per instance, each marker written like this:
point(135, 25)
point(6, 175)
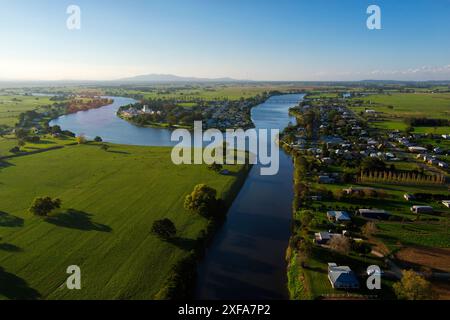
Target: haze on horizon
point(287, 40)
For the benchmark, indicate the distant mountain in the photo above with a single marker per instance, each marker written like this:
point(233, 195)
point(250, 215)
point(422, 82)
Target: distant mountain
point(172, 78)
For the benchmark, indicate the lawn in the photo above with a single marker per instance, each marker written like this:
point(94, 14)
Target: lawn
point(12, 106)
point(110, 200)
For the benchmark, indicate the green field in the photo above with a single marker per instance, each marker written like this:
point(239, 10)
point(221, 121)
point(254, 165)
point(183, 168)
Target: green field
point(110, 200)
point(12, 106)
point(395, 107)
point(8, 142)
point(206, 93)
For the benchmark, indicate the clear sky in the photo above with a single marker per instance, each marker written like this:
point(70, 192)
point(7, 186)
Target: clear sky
point(243, 39)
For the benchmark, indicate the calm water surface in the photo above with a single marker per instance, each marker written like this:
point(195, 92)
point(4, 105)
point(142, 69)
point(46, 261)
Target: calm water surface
point(247, 257)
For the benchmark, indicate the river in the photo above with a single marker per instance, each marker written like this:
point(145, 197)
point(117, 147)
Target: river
point(247, 257)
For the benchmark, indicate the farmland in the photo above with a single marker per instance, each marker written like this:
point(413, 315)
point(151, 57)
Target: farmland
point(109, 201)
point(13, 105)
point(395, 107)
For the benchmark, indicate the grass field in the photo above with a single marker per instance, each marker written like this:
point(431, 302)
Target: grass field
point(110, 200)
point(398, 106)
point(7, 142)
point(207, 93)
point(12, 106)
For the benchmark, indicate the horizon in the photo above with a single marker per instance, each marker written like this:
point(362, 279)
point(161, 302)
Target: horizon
point(287, 41)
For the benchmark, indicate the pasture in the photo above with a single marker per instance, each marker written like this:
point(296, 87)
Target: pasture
point(396, 107)
point(12, 106)
point(110, 200)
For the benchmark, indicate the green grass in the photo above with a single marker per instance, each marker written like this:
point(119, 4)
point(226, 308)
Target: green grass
point(434, 130)
point(12, 106)
point(411, 104)
point(425, 234)
point(396, 107)
point(115, 197)
point(9, 141)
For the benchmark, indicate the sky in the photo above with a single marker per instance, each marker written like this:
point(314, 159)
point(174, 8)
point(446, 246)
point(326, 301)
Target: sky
point(282, 40)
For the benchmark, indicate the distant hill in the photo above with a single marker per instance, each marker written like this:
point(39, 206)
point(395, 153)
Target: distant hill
point(172, 78)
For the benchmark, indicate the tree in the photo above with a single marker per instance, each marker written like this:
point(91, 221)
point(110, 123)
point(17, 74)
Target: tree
point(164, 229)
point(340, 244)
point(81, 139)
point(369, 229)
point(413, 287)
point(372, 164)
point(21, 143)
point(306, 217)
point(21, 134)
point(202, 200)
point(215, 167)
point(98, 139)
point(43, 206)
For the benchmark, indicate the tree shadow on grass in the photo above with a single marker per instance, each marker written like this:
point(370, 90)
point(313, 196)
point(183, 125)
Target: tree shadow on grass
point(183, 243)
point(118, 152)
point(7, 220)
point(15, 288)
point(5, 164)
point(74, 219)
point(9, 247)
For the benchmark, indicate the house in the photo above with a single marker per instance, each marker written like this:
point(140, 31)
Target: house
point(325, 180)
point(408, 197)
point(422, 209)
point(322, 237)
point(433, 162)
point(442, 165)
point(446, 203)
point(415, 149)
point(339, 216)
point(342, 277)
point(374, 214)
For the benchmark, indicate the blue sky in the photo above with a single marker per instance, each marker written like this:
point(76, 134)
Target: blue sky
point(244, 39)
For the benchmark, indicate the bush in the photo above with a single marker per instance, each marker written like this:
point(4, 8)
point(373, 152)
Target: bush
point(413, 287)
point(164, 229)
point(15, 149)
point(43, 206)
point(181, 281)
point(81, 139)
point(361, 247)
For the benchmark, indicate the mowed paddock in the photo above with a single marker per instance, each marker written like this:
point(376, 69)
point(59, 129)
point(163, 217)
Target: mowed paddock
point(110, 201)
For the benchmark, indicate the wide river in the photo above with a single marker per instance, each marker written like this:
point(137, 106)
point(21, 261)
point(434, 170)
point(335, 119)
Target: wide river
point(247, 257)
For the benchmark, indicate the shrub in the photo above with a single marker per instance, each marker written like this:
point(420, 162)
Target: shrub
point(164, 229)
point(43, 206)
point(413, 287)
point(81, 139)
